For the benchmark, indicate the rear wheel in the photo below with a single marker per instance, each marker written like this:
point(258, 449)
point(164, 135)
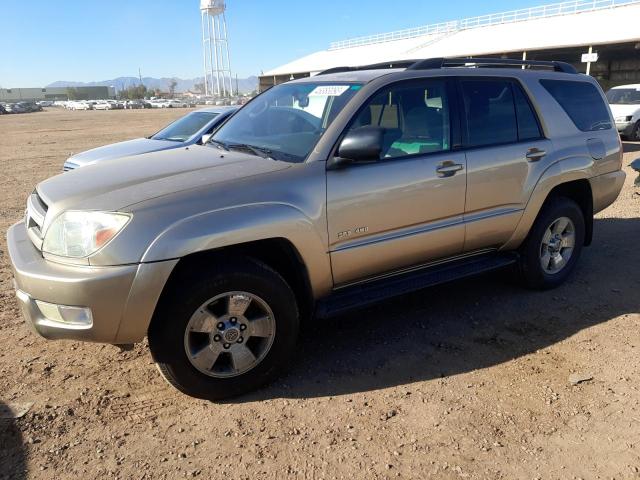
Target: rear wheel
point(554, 244)
point(226, 333)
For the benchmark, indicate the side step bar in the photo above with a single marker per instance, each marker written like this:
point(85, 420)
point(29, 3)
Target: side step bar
point(363, 294)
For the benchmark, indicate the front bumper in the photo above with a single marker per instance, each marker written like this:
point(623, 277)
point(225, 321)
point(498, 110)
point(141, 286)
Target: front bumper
point(122, 299)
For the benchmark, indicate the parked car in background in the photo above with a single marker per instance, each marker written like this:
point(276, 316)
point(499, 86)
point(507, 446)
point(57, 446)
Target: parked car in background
point(195, 127)
point(2, 110)
point(133, 104)
point(32, 106)
point(15, 108)
point(157, 103)
point(624, 102)
point(79, 105)
point(45, 103)
point(174, 103)
point(103, 105)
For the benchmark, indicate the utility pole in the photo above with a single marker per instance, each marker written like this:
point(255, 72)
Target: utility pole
point(140, 75)
point(237, 89)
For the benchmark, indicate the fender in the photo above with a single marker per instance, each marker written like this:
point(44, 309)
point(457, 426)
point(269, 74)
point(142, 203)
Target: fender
point(566, 170)
point(247, 223)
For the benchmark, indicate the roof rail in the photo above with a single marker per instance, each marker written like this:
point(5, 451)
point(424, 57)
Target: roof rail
point(434, 63)
point(374, 66)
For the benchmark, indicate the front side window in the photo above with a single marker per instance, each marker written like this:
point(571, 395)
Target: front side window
point(186, 127)
point(582, 102)
point(415, 117)
point(286, 121)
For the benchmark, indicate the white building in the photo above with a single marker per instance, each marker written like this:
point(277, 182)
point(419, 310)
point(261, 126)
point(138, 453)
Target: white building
point(562, 31)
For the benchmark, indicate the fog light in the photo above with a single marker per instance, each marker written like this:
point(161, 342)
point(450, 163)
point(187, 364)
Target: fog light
point(63, 316)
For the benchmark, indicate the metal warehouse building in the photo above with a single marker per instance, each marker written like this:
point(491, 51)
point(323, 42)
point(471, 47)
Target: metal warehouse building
point(55, 93)
point(607, 29)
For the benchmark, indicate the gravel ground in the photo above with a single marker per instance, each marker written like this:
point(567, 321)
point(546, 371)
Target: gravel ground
point(468, 380)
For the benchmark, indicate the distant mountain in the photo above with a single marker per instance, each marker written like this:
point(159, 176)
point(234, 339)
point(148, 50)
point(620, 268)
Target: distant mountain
point(245, 85)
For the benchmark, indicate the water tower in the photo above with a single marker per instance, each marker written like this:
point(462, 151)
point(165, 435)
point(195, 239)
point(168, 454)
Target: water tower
point(215, 47)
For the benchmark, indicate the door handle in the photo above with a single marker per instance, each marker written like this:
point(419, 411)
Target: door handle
point(535, 154)
point(448, 168)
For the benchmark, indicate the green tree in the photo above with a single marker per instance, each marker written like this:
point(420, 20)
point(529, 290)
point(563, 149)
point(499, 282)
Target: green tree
point(72, 93)
point(133, 93)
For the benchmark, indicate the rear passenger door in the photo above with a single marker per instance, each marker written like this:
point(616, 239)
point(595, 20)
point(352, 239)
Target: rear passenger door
point(505, 151)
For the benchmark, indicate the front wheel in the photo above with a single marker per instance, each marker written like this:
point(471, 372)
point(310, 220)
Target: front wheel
point(635, 133)
point(554, 244)
point(226, 333)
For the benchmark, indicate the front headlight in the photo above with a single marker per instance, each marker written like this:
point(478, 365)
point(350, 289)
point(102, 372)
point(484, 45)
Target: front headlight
point(80, 234)
point(624, 119)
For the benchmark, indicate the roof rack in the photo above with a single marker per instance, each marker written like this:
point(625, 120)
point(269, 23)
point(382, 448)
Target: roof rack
point(433, 63)
point(373, 66)
point(436, 63)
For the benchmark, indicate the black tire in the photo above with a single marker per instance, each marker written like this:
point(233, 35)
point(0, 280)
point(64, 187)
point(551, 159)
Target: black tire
point(635, 133)
point(532, 274)
point(167, 330)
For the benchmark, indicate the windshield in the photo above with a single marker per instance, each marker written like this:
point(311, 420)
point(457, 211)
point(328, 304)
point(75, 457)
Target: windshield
point(624, 96)
point(286, 121)
point(186, 127)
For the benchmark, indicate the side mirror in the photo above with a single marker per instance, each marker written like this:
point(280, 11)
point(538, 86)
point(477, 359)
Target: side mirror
point(205, 138)
point(362, 145)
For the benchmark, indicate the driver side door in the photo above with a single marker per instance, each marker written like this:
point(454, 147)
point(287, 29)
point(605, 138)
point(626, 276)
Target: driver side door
point(406, 208)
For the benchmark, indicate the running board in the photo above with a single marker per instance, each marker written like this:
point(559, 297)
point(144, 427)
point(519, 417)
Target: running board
point(363, 294)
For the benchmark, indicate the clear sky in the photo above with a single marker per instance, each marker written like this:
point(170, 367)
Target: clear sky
point(43, 41)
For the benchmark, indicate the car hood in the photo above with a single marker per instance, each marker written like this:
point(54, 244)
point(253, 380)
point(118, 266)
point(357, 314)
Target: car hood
point(122, 149)
point(620, 110)
point(125, 181)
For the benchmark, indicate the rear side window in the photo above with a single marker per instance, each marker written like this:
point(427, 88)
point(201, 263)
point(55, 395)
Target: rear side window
point(490, 112)
point(497, 112)
point(582, 102)
point(528, 128)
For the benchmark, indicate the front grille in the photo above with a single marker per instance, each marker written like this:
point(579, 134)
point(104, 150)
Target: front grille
point(34, 218)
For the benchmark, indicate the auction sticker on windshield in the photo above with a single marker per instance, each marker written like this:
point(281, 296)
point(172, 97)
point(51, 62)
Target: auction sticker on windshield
point(329, 90)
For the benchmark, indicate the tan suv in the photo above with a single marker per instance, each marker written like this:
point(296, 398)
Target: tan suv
point(320, 195)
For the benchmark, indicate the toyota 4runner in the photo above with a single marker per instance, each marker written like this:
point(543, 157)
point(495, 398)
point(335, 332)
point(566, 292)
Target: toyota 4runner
point(320, 195)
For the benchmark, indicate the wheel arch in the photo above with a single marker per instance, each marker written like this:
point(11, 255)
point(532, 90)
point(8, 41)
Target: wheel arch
point(277, 252)
point(580, 192)
point(569, 178)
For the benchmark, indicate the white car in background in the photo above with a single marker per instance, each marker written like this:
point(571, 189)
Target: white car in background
point(176, 104)
point(103, 105)
point(79, 105)
point(624, 101)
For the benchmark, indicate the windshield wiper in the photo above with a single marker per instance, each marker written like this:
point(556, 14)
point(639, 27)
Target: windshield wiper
point(218, 144)
point(258, 151)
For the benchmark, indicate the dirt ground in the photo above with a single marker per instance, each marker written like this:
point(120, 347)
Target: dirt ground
point(468, 380)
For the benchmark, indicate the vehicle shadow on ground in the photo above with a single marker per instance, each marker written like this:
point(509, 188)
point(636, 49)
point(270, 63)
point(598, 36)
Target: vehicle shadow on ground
point(629, 147)
point(13, 455)
point(466, 325)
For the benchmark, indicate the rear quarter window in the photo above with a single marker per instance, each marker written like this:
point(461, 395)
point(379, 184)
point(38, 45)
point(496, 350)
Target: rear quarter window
point(582, 102)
